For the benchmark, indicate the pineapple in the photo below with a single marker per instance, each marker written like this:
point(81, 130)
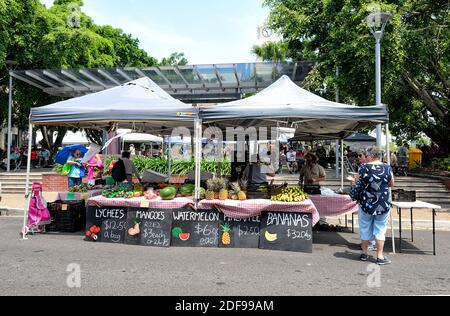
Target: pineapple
point(223, 195)
point(226, 237)
point(242, 196)
point(217, 185)
point(210, 195)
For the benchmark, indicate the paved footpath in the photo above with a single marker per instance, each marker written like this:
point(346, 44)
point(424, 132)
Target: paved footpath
point(38, 267)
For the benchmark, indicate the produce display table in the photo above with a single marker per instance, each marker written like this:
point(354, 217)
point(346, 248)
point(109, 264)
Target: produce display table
point(65, 196)
point(137, 202)
point(334, 205)
point(252, 208)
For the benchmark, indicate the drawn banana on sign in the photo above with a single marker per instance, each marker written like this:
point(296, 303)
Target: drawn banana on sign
point(271, 237)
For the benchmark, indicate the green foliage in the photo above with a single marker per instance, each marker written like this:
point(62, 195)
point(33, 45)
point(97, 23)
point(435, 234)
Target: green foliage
point(58, 169)
point(441, 164)
point(59, 37)
point(175, 59)
point(272, 51)
point(181, 167)
point(415, 57)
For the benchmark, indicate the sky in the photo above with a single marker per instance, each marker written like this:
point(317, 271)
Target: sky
point(207, 31)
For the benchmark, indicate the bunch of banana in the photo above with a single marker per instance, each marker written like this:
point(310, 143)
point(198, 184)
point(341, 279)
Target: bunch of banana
point(290, 195)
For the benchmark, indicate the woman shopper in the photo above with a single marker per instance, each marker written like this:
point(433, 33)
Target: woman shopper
point(77, 171)
point(375, 179)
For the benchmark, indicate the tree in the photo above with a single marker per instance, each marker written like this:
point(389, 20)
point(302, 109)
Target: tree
point(59, 37)
point(272, 51)
point(415, 50)
point(176, 59)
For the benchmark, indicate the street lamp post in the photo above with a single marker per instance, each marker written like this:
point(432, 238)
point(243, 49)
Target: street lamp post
point(377, 22)
point(10, 65)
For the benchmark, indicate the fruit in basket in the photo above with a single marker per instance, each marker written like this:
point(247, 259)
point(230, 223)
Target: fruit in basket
point(290, 195)
point(168, 193)
point(137, 194)
point(210, 195)
point(223, 195)
point(226, 237)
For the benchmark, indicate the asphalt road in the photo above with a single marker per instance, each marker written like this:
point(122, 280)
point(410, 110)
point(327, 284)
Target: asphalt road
point(39, 267)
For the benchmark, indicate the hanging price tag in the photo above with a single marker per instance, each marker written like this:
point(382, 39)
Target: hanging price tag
point(64, 207)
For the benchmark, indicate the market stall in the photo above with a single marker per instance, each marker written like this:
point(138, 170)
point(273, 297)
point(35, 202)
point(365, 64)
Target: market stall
point(192, 215)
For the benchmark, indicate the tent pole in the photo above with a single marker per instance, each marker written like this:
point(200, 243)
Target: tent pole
point(27, 183)
point(169, 158)
point(336, 153)
point(342, 164)
point(198, 157)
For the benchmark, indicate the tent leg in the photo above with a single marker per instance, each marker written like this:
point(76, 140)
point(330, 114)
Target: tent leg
point(198, 158)
point(27, 184)
point(336, 150)
point(169, 159)
point(342, 165)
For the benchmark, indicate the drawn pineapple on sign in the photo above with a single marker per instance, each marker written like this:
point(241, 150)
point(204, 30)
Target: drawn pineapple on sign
point(226, 237)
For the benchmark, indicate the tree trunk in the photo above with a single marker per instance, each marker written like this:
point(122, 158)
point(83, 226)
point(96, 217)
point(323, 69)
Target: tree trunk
point(48, 141)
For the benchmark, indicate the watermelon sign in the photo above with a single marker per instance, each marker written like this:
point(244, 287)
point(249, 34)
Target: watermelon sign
point(195, 229)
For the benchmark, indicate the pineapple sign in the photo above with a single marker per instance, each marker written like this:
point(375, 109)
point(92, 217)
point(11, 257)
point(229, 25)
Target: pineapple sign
point(239, 233)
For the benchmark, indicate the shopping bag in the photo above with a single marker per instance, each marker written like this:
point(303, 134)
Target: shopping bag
point(66, 169)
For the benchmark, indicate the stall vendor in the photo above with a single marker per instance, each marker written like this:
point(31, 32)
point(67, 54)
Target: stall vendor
point(130, 168)
point(312, 173)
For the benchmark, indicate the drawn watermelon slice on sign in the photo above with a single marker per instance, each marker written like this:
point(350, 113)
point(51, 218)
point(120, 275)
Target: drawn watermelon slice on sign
point(185, 236)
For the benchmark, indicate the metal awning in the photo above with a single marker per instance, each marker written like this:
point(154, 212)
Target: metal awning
point(191, 84)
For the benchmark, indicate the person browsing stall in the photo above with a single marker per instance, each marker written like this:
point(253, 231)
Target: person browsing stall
point(312, 173)
point(76, 170)
point(376, 179)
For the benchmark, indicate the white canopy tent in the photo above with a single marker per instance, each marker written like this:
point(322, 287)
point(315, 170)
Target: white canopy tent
point(286, 104)
point(140, 105)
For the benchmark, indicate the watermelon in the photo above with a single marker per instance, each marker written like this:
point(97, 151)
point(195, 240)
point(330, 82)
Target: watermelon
point(187, 189)
point(168, 193)
point(185, 236)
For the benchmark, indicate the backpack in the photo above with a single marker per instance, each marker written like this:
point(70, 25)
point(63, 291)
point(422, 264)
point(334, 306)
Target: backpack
point(118, 172)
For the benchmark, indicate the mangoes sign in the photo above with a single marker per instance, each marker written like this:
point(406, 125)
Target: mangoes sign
point(149, 227)
point(286, 232)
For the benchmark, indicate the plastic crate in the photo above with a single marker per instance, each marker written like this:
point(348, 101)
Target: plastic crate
point(67, 216)
point(404, 196)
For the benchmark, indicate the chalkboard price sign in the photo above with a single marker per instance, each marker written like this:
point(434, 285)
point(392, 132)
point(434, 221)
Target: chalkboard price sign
point(239, 233)
point(94, 223)
point(286, 232)
point(149, 227)
point(113, 231)
point(195, 228)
